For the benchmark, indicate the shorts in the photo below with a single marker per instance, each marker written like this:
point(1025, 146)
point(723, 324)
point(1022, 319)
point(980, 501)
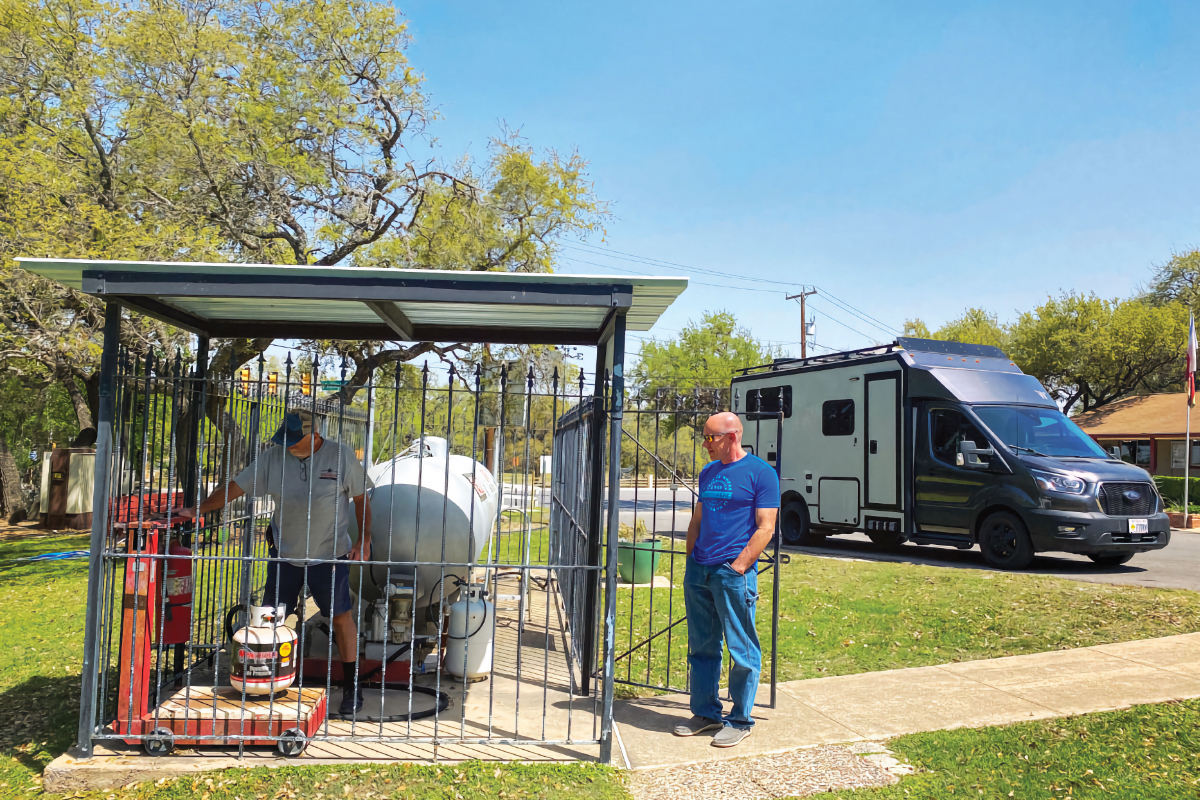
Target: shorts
point(323, 580)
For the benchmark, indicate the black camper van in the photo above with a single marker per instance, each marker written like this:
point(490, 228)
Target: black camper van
point(945, 443)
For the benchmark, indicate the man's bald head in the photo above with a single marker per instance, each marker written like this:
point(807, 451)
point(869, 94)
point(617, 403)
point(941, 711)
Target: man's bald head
point(723, 437)
point(723, 422)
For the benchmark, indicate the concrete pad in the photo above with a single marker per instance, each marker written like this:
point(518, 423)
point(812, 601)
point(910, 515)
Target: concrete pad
point(1118, 687)
point(645, 729)
point(1172, 653)
point(883, 704)
point(1035, 667)
point(1093, 678)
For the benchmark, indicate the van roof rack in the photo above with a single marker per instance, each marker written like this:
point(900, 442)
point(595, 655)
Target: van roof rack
point(901, 343)
point(828, 358)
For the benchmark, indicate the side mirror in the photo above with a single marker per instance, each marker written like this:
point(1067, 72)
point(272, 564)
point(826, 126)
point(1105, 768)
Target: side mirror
point(1114, 453)
point(969, 455)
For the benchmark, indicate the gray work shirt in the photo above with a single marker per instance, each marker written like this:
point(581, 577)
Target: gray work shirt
point(312, 498)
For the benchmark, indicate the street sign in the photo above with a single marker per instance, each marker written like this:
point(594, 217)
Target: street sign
point(333, 384)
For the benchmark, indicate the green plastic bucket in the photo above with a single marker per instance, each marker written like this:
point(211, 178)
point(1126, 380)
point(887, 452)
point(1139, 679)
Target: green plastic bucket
point(638, 561)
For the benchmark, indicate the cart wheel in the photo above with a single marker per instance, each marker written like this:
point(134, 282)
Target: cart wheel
point(159, 743)
point(291, 743)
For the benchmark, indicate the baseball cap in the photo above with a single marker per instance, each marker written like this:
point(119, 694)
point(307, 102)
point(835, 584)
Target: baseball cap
point(296, 425)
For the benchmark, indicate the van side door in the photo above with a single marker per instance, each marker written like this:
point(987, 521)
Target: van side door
point(947, 494)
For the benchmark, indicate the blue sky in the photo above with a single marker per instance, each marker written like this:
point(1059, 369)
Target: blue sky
point(910, 159)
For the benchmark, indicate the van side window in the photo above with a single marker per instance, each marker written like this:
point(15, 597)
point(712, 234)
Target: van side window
point(767, 401)
point(947, 428)
point(837, 417)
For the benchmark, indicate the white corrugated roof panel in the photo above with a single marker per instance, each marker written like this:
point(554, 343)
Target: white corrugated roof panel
point(189, 287)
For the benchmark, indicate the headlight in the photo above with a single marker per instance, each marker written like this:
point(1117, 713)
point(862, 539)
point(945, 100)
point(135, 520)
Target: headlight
point(1053, 482)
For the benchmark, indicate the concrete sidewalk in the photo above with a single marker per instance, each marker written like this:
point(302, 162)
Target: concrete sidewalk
point(878, 705)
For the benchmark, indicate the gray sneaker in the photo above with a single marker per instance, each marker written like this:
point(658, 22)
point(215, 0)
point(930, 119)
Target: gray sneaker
point(728, 736)
point(697, 725)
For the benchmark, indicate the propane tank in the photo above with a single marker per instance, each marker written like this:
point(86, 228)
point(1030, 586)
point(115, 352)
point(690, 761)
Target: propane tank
point(470, 635)
point(427, 506)
point(177, 612)
point(264, 652)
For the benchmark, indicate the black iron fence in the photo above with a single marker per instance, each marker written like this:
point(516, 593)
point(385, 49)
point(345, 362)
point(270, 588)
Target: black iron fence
point(474, 618)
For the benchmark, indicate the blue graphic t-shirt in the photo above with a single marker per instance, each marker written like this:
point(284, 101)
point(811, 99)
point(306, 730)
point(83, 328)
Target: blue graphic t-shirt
point(731, 493)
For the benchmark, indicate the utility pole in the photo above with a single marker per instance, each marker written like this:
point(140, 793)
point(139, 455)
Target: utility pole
point(803, 320)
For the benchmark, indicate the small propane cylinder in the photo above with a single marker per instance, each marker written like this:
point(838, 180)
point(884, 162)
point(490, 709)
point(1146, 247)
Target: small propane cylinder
point(470, 635)
point(264, 652)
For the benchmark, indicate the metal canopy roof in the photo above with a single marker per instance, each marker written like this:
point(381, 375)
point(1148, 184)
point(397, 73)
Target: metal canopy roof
point(300, 302)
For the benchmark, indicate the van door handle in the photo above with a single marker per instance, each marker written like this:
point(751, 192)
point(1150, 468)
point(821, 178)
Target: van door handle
point(874, 447)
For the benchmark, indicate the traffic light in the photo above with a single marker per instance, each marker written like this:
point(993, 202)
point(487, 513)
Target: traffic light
point(244, 382)
point(305, 383)
point(273, 383)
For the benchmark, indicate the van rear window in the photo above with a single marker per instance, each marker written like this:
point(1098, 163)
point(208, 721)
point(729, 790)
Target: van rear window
point(837, 417)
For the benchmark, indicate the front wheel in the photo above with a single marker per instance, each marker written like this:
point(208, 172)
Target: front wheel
point(159, 743)
point(1005, 541)
point(795, 525)
point(1110, 559)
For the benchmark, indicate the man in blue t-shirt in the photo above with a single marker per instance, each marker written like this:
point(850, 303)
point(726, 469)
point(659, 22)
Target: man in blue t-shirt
point(731, 525)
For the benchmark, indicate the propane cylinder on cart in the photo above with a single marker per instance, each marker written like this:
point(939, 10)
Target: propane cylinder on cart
point(264, 653)
point(470, 635)
point(177, 611)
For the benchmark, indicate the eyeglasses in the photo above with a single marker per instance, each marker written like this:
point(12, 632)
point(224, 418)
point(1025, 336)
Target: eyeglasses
point(712, 437)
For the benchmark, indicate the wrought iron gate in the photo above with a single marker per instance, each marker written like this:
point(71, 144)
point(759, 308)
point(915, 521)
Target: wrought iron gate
point(661, 458)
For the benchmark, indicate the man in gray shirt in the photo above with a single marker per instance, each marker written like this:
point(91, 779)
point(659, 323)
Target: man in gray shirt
point(313, 481)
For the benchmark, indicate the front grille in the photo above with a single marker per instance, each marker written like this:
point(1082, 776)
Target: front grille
point(1116, 504)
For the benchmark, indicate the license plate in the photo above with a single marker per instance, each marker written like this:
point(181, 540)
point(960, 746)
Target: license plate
point(1139, 526)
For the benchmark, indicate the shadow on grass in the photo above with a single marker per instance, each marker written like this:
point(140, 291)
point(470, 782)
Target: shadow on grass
point(38, 719)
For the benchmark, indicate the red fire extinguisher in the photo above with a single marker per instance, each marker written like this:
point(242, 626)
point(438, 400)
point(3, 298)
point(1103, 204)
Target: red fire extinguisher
point(177, 614)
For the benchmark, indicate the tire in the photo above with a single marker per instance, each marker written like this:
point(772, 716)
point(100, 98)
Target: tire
point(159, 743)
point(886, 540)
point(1005, 541)
point(795, 525)
point(291, 743)
point(1110, 559)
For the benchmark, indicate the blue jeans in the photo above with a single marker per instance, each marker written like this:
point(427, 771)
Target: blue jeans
point(720, 605)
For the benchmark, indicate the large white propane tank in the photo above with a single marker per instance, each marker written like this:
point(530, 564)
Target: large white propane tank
point(469, 652)
point(457, 499)
point(264, 653)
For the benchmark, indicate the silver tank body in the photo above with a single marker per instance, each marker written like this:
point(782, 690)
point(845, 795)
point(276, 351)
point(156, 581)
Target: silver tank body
point(428, 506)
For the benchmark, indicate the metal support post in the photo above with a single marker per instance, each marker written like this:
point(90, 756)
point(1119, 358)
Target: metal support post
point(191, 467)
point(595, 467)
point(616, 412)
point(100, 506)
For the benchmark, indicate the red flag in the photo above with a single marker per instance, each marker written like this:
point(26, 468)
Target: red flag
point(1191, 361)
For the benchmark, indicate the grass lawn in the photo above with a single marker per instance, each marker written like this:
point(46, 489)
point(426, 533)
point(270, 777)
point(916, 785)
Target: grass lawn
point(839, 617)
point(1143, 752)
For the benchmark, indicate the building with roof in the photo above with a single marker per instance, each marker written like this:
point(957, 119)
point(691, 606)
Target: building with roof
point(1148, 429)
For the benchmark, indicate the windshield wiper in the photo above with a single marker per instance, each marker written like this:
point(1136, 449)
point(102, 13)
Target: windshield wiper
point(1029, 450)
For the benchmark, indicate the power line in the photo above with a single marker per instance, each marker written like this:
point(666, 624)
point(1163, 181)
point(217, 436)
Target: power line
point(698, 283)
point(887, 331)
point(656, 262)
point(592, 249)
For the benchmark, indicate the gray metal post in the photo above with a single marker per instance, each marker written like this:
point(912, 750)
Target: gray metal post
point(616, 412)
point(100, 504)
point(595, 473)
point(191, 467)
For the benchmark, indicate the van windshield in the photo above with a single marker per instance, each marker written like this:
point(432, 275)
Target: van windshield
point(1038, 431)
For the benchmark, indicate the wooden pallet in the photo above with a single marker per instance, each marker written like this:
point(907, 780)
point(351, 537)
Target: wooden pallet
point(204, 711)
